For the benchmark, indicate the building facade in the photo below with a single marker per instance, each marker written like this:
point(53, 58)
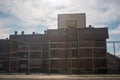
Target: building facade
point(77, 51)
point(73, 48)
point(29, 52)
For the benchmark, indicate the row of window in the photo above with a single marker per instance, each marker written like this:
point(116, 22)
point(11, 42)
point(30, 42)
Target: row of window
point(35, 62)
point(98, 62)
point(32, 62)
point(30, 46)
point(75, 44)
point(82, 70)
point(33, 55)
point(63, 44)
point(74, 52)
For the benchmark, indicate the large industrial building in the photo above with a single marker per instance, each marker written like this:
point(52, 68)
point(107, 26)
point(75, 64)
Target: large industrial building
point(73, 48)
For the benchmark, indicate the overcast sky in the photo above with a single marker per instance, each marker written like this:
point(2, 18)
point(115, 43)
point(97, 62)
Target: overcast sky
point(40, 15)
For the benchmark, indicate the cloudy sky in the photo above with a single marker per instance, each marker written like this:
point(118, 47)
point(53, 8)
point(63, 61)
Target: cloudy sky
point(39, 15)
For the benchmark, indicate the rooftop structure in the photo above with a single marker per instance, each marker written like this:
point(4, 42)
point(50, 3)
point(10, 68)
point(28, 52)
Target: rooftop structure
point(77, 20)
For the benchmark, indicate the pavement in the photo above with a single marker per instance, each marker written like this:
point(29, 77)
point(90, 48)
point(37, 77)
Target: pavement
point(58, 77)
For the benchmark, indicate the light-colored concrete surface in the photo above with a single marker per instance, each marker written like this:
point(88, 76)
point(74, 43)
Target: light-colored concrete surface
point(77, 20)
point(59, 77)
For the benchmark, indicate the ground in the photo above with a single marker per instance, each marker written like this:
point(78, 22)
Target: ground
point(58, 77)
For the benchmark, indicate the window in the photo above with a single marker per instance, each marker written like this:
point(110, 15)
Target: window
point(53, 53)
point(62, 45)
point(36, 62)
point(35, 46)
point(101, 44)
point(74, 53)
point(88, 61)
point(61, 53)
point(86, 51)
point(75, 71)
point(23, 46)
point(62, 62)
point(86, 70)
point(100, 51)
point(53, 45)
point(85, 44)
point(53, 62)
point(22, 55)
point(36, 55)
point(75, 63)
point(45, 46)
point(75, 45)
point(101, 62)
point(23, 65)
point(54, 70)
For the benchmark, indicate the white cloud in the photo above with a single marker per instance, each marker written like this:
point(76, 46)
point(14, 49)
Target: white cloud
point(3, 30)
point(99, 25)
point(118, 54)
point(116, 30)
point(34, 13)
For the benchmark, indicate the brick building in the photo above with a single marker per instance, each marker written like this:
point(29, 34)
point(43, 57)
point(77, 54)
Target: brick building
point(73, 48)
point(29, 51)
point(80, 50)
